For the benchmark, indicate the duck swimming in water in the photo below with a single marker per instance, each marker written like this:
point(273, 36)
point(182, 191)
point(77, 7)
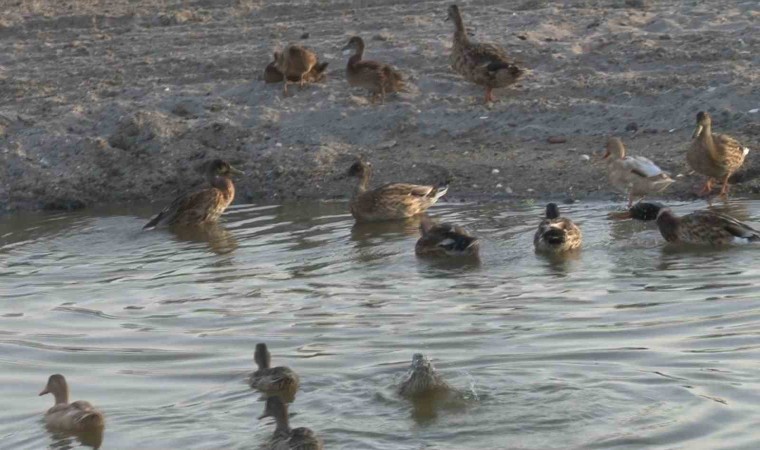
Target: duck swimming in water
point(423, 379)
point(204, 205)
point(79, 416)
point(699, 227)
point(445, 240)
point(280, 380)
point(284, 437)
point(556, 234)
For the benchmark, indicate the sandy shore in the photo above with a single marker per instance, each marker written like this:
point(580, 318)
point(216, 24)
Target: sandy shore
point(108, 101)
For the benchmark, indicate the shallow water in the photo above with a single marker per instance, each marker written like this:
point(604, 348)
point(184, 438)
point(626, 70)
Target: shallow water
point(630, 344)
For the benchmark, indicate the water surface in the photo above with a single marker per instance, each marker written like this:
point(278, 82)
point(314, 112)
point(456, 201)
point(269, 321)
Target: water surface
point(629, 344)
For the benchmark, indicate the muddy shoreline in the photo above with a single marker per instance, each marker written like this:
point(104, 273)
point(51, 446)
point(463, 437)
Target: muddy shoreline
point(104, 102)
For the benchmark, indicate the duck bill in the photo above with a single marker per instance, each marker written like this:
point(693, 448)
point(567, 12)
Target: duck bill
point(264, 416)
point(44, 391)
point(697, 132)
point(234, 171)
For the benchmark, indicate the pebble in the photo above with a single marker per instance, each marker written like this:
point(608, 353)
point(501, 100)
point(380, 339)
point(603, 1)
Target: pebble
point(585, 157)
point(508, 190)
point(495, 171)
point(556, 140)
point(498, 185)
point(305, 35)
point(754, 111)
point(633, 126)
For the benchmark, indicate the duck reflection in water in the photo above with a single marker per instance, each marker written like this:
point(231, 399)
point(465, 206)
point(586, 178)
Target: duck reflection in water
point(71, 440)
point(218, 238)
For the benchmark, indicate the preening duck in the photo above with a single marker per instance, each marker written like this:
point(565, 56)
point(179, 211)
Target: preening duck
point(280, 380)
point(295, 63)
point(273, 75)
point(376, 77)
point(445, 239)
point(556, 234)
point(635, 176)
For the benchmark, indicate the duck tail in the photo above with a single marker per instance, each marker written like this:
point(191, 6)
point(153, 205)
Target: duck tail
point(153, 222)
point(91, 421)
point(320, 67)
point(439, 192)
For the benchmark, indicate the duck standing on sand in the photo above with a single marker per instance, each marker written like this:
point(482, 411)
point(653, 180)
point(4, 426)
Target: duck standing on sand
point(636, 176)
point(699, 227)
point(483, 64)
point(284, 437)
point(556, 234)
point(445, 239)
point(392, 201)
point(295, 62)
point(78, 417)
point(376, 77)
point(272, 380)
point(273, 75)
point(717, 156)
point(204, 205)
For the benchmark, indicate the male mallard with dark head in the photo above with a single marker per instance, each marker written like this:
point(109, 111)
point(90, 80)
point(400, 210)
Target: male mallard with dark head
point(423, 379)
point(79, 416)
point(717, 156)
point(392, 201)
point(445, 239)
point(268, 379)
point(273, 75)
point(284, 437)
point(556, 234)
point(483, 64)
point(700, 227)
point(204, 205)
point(376, 77)
point(295, 62)
point(636, 176)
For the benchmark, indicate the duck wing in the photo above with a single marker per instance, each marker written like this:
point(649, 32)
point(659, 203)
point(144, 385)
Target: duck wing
point(194, 204)
point(641, 166)
point(413, 190)
point(718, 221)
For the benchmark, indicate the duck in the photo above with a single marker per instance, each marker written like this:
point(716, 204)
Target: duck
point(394, 201)
point(376, 77)
point(716, 156)
point(636, 176)
point(445, 239)
point(423, 379)
point(268, 379)
point(481, 63)
point(273, 75)
point(295, 62)
point(78, 417)
point(203, 206)
point(700, 227)
point(284, 437)
point(556, 234)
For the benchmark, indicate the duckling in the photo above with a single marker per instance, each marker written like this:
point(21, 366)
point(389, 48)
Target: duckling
point(273, 75)
point(483, 64)
point(79, 416)
point(700, 227)
point(445, 240)
point(204, 205)
point(423, 379)
point(376, 77)
point(295, 62)
point(267, 379)
point(393, 201)
point(717, 156)
point(556, 234)
point(635, 175)
point(284, 437)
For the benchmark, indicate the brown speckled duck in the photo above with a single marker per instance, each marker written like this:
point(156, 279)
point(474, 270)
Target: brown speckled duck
point(423, 379)
point(268, 379)
point(700, 227)
point(295, 62)
point(717, 156)
point(378, 78)
point(284, 437)
point(556, 234)
point(273, 75)
point(483, 64)
point(204, 205)
point(393, 201)
point(445, 239)
point(78, 417)
point(636, 176)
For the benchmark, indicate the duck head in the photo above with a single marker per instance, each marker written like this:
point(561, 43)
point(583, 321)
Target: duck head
point(57, 386)
point(453, 13)
point(359, 169)
point(355, 43)
point(614, 149)
point(262, 356)
point(220, 168)
point(552, 211)
point(704, 122)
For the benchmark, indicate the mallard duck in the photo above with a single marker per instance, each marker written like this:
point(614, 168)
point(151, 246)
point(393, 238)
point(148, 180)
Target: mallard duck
point(715, 155)
point(556, 234)
point(281, 380)
point(483, 64)
point(284, 437)
point(636, 176)
point(273, 75)
point(392, 201)
point(79, 416)
point(376, 77)
point(445, 240)
point(295, 62)
point(700, 227)
point(204, 205)
point(423, 379)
